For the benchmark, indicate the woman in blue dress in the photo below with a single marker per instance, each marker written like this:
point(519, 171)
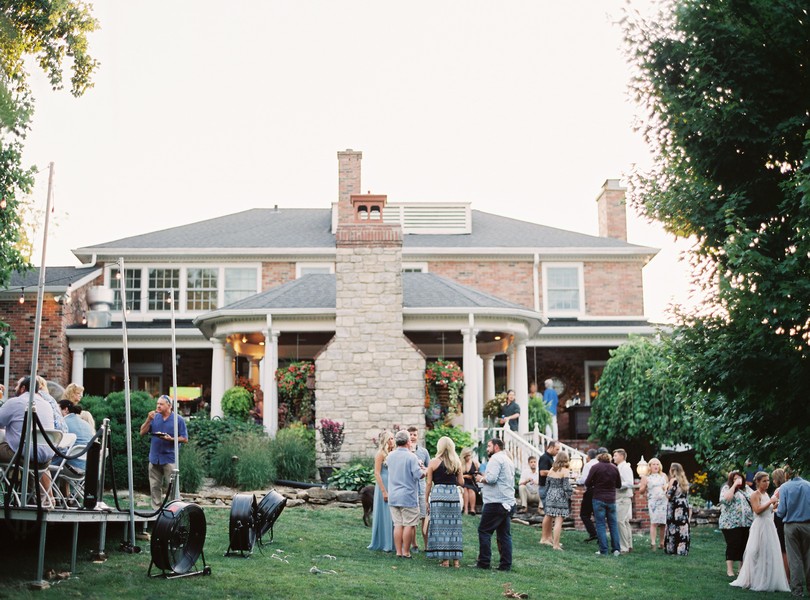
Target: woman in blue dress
point(382, 526)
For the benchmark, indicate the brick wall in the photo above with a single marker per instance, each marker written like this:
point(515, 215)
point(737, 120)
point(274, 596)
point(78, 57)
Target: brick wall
point(614, 288)
point(640, 519)
point(277, 273)
point(54, 354)
point(511, 280)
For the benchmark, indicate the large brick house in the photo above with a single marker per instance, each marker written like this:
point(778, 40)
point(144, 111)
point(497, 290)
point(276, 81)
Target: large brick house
point(379, 285)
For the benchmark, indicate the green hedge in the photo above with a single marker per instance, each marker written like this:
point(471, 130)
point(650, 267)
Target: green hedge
point(113, 408)
point(236, 403)
point(461, 438)
point(208, 434)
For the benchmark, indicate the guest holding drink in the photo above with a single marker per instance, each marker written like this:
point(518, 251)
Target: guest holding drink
point(470, 466)
point(736, 517)
point(654, 486)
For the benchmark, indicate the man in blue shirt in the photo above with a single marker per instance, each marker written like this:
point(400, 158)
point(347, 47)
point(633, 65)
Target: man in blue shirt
point(498, 492)
point(794, 508)
point(550, 399)
point(160, 423)
point(404, 474)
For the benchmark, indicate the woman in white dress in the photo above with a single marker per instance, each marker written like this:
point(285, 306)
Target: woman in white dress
point(762, 569)
point(655, 486)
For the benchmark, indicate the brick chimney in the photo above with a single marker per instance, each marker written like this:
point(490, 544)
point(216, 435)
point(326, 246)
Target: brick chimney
point(348, 183)
point(612, 210)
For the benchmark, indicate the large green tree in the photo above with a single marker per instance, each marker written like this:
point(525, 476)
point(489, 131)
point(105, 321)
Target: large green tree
point(53, 33)
point(726, 90)
point(641, 405)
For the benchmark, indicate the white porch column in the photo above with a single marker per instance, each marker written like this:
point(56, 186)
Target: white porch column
point(255, 376)
point(511, 382)
point(229, 367)
point(217, 377)
point(522, 385)
point(489, 377)
point(270, 363)
point(77, 369)
point(470, 359)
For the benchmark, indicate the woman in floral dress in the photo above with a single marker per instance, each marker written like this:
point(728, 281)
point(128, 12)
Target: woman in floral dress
point(655, 486)
point(557, 505)
point(736, 518)
point(676, 538)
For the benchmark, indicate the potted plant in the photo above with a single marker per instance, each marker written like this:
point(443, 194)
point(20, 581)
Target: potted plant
point(332, 436)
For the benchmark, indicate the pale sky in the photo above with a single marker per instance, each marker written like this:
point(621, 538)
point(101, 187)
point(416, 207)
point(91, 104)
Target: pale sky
point(204, 108)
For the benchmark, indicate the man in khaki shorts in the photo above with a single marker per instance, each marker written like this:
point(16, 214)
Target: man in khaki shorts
point(404, 474)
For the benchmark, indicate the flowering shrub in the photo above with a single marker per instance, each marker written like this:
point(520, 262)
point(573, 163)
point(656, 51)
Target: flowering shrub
point(443, 378)
point(699, 486)
point(293, 392)
point(331, 438)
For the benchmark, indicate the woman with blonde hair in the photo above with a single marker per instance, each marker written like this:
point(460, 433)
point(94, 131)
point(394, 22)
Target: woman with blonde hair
point(445, 474)
point(558, 500)
point(762, 568)
point(655, 486)
point(74, 393)
point(469, 465)
point(676, 538)
point(382, 525)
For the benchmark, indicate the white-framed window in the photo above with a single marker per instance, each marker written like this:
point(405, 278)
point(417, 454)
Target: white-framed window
point(563, 289)
point(202, 292)
point(132, 283)
point(240, 282)
point(198, 287)
point(313, 268)
point(414, 267)
point(161, 282)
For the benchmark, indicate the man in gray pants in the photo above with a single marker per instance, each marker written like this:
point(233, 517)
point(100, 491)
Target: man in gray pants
point(794, 509)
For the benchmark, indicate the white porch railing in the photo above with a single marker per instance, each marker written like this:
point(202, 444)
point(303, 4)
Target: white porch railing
point(523, 445)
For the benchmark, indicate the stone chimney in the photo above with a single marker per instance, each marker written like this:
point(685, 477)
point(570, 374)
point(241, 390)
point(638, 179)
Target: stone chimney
point(369, 376)
point(612, 210)
point(348, 183)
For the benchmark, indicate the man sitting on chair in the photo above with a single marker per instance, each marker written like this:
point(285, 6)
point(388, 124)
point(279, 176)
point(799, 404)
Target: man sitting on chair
point(11, 417)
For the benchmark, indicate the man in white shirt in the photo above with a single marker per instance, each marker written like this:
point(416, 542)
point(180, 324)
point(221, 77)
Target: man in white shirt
point(586, 509)
point(527, 486)
point(624, 500)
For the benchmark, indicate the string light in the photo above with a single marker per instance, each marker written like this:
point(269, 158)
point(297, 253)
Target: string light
point(3, 203)
point(84, 318)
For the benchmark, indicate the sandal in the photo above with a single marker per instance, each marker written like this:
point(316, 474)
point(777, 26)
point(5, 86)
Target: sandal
point(456, 564)
point(445, 564)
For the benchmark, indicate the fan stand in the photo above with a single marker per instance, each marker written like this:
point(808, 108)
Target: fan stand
point(206, 570)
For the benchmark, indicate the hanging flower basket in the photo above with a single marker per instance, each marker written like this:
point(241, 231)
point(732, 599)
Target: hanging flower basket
point(444, 385)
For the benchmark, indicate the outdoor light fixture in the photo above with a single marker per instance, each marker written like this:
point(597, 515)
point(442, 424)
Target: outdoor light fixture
point(261, 343)
point(244, 339)
point(22, 296)
point(642, 468)
point(576, 463)
point(84, 318)
point(497, 337)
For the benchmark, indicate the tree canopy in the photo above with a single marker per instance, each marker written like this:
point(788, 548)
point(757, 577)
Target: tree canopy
point(726, 90)
point(53, 32)
point(640, 405)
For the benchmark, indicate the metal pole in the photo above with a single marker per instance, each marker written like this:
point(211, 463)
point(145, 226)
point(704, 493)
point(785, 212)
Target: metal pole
point(176, 406)
point(127, 400)
point(35, 350)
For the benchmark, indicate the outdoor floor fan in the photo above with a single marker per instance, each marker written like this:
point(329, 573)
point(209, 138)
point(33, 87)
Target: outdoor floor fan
point(242, 526)
point(177, 541)
point(267, 512)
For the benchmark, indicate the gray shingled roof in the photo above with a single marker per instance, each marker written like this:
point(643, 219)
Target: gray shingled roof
point(54, 277)
point(311, 228)
point(420, 290)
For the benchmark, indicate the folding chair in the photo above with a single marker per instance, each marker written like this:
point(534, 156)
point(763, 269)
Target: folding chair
point(68, 482)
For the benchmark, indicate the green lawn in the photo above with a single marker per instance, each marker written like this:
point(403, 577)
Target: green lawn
point(304, 535)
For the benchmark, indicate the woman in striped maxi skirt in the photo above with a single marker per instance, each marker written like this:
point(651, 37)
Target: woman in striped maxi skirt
point(444, 477)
